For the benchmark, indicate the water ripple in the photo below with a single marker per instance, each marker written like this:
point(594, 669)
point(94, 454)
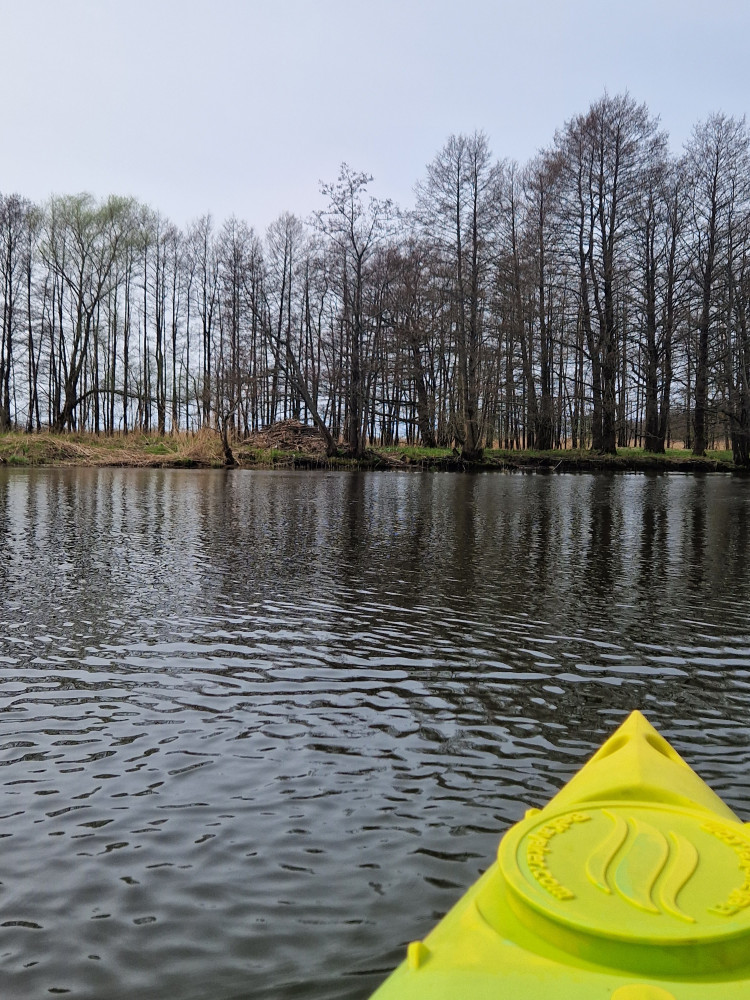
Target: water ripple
point(240, 731)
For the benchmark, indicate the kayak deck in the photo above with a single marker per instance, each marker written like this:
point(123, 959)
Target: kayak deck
point(633, 883)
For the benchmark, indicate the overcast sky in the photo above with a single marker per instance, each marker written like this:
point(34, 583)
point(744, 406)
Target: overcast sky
point(243, 106)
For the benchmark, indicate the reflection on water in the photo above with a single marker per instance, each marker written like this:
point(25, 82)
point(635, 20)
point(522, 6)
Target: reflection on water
point(259, 730)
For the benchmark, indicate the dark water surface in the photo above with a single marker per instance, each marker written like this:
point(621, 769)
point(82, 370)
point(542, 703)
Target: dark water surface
point(257, 731)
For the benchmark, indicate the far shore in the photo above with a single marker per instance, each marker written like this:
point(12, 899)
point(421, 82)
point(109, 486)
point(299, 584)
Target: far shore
point(289, 446)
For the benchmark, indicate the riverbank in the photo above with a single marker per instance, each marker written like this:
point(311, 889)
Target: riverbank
point(289, 446)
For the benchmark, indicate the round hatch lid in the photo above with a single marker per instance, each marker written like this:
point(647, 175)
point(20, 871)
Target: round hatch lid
point(634, 885)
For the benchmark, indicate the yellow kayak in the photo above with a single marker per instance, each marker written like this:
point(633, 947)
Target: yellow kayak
point(633, 883)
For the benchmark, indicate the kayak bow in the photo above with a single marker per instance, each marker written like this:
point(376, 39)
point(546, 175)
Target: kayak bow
point(633, 883)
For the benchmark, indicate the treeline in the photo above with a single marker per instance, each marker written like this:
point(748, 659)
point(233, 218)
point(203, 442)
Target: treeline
point(598, 296)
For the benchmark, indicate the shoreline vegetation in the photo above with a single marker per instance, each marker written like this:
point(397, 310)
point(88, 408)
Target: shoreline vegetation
point(597, 296)
point(289, 445)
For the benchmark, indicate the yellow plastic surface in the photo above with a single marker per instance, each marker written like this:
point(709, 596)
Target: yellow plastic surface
point(633, 883)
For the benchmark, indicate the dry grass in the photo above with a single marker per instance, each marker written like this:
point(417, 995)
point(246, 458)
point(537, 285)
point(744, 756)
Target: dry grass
point(133, 450)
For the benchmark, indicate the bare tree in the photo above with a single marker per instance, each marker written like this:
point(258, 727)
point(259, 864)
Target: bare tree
point(540, 184)
point(82, 240)
point(718, 157)
point(15, 221)
point(457, 206)
point(203, 265)
point(603, 154)
point(659, 228)
point(354, 228)
point(285, 240)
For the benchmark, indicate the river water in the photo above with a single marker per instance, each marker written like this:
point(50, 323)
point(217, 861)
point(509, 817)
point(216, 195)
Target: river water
point(259, 730)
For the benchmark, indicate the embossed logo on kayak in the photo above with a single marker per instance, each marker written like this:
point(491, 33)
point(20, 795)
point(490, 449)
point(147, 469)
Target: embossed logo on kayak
point(645, 873)
point(634, 847)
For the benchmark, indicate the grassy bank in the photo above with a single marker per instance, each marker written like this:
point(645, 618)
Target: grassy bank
point(626, 460)
point(292, 447)
point(201, 450)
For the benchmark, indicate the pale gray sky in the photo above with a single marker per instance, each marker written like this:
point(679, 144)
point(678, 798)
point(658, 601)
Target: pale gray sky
point(243, 106)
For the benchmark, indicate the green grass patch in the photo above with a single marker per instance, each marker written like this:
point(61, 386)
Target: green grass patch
point(414, 452)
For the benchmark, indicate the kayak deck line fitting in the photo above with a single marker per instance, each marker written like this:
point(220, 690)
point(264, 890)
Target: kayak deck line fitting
point(633, 883)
